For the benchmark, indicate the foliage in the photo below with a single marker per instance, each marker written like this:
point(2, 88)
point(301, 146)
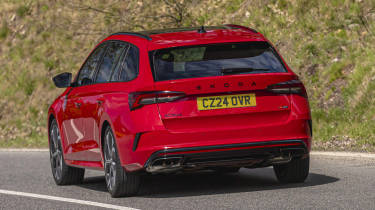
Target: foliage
point(329, 44)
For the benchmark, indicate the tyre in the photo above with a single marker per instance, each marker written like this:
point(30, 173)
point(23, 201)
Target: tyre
point(295, 171)
point(62, 173)
point(119, 183)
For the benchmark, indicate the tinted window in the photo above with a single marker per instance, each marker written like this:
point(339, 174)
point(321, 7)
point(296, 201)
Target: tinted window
point(87, 72)
point(128, 68)
point(215, 60)
point(109, 61)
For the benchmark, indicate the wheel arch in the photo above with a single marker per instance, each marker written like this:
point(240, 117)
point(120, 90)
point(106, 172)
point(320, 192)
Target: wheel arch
point(121, 149)
point(104, 126)
point(53, 114)
point(51, 117)
point(119, 124)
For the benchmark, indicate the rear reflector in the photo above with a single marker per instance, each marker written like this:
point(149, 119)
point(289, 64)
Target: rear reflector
point(139, 99)
point(289, 87)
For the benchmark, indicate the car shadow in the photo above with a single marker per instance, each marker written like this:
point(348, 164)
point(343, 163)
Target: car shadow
point(209, 183)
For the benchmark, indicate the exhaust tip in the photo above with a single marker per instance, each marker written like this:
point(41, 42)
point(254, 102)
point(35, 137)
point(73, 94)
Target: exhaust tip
point(165, 164)
point(280, 159)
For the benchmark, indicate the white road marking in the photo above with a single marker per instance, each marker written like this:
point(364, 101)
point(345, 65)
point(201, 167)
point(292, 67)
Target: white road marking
point(69, 200)
point(344, 154)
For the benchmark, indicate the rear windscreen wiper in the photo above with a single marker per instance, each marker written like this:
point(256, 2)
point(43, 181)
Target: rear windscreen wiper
point(240, 70)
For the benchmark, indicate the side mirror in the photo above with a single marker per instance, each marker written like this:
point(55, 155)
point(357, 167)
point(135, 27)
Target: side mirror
point(62, 80)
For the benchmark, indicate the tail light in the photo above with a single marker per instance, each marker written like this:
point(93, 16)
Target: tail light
point(289, 87)
point(139, 99)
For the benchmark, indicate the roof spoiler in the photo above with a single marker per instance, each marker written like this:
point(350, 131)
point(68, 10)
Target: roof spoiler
point(241, 27)
point(141, 35)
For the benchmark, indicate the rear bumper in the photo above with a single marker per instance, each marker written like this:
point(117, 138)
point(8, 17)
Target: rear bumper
point(167, 143)
point(259, 154)
point(256, 154)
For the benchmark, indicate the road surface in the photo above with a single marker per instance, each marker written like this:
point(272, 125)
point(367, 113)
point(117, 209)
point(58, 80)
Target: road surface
point(333, 183)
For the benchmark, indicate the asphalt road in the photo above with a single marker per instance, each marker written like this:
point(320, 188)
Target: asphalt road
point(333, 183)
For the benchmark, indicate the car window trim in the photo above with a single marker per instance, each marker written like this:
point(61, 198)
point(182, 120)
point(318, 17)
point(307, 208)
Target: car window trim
point(100, 61)
point(120, 62)
point(115, 62)
point(99, 64)
point(84, 63)
point(123, 63)
point(137, 73)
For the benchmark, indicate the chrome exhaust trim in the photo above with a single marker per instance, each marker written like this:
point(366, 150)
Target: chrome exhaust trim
point(165, 164)
point(280, 159)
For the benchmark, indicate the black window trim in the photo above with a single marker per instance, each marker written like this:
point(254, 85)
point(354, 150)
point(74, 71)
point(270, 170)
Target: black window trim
point(122, 64)
point(75, 83)
point(128, 44)
point(99, 64)
point(101, 61)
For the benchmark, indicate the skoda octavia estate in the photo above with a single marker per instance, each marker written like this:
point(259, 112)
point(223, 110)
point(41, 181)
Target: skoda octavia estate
point(207, 98)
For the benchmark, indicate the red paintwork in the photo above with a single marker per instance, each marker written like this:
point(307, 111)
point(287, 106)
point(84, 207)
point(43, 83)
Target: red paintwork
point(176, 124)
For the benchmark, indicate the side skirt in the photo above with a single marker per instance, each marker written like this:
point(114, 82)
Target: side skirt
point(95, 165)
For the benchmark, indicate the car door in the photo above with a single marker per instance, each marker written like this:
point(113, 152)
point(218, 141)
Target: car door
point(95, 97)
point(73, 123)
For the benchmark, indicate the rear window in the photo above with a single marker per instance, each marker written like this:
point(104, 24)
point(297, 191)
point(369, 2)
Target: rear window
point(215, 60)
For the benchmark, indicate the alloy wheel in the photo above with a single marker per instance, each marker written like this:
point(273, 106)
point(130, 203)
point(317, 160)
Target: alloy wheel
point(55, 152)
point(110, 160)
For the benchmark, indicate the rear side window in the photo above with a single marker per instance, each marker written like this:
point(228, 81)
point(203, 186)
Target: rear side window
point(215, 60)
point(86, 74)
point(109, 61)
point(128, 68)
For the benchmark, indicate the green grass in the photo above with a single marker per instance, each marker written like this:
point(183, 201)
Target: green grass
point(32, 141)
point(22, 10)
point(329, 44)
point(4, 30)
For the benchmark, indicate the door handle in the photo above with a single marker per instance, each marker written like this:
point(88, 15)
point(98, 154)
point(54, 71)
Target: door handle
point(78, 105)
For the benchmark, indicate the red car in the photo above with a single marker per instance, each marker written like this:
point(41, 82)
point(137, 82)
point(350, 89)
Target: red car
point(206, 98)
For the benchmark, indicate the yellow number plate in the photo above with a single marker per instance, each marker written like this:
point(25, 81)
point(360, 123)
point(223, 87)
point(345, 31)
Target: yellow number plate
point(226, 101)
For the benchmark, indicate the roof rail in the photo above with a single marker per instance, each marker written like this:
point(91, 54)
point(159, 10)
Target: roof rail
point(241, 27)
point(133, 34)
